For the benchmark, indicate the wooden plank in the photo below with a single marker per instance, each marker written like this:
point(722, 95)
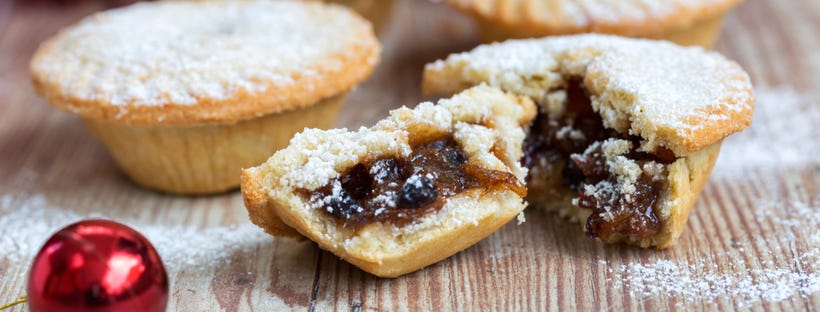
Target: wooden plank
point(743, 221)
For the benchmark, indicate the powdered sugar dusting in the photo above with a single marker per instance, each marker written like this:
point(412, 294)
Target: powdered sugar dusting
point(197, 50)
point(664, 93)
point(29, 220)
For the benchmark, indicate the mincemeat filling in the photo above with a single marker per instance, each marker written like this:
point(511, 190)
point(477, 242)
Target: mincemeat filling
point(568, 147)
point(401, 190)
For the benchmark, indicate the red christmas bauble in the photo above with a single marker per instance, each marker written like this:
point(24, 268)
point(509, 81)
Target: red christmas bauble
point(97, 265)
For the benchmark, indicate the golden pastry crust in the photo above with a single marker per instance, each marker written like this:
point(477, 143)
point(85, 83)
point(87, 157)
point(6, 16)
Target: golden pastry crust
point(536, 18)
point(686, 179)
point(477, 118)
point(682, 99)
point(204, 62)
point(687, 104)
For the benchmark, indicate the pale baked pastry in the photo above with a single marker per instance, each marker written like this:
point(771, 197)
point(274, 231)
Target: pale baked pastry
point(686, 22)
point(415, 188)
point(628, 129)
point(185, 94)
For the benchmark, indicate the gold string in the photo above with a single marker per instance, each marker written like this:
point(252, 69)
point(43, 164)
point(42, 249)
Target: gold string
point(9, 305)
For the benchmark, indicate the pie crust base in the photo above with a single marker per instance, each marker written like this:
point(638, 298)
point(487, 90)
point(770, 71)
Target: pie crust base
point(205, 159)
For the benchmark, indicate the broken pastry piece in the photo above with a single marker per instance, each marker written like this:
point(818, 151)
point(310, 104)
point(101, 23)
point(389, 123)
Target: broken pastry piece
point(627, 130)
point(414, 189)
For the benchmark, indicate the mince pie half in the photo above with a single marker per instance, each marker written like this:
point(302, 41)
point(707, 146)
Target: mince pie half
point(627, 130)
point(416, 188)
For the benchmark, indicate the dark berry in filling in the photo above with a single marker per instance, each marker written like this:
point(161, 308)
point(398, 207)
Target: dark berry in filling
point(418, 191)
point(400, 190)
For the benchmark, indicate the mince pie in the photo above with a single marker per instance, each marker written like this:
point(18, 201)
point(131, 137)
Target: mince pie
point(627, 130)
point(184, 94)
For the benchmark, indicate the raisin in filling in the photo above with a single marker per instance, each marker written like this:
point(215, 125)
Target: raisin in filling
point(557, 152)
point(400, 190)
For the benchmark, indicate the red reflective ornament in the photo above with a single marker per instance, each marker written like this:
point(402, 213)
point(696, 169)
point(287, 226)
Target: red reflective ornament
point(97, 265)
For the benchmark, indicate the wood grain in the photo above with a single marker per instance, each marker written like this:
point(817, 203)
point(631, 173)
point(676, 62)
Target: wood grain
point(543, 264)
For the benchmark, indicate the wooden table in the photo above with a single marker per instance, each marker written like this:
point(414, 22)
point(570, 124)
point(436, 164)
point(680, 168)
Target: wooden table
point(52, 172)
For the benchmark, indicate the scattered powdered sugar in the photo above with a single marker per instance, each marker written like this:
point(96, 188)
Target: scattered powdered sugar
point(749, 281)
point(29, 220)
point(792, 214)
point(784, 134)
point(187, 247)
point(731, 274)
point(704, 281)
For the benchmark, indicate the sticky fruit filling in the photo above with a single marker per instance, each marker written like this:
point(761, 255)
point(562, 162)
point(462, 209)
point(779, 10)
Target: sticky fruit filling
point(568, 149)
point(400, 190)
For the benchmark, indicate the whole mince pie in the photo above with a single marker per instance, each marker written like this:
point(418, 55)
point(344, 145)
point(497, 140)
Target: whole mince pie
point(184, 94)
point(414, 189)
point(627, 130)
